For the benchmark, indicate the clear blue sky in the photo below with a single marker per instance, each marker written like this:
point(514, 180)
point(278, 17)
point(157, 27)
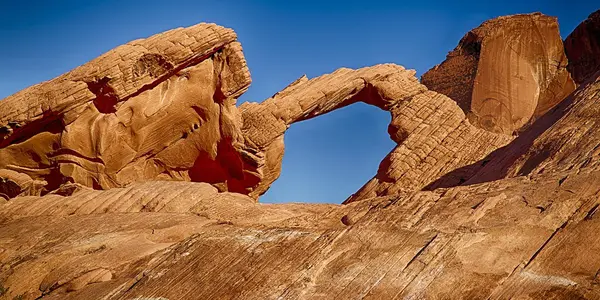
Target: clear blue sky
point(327, 158)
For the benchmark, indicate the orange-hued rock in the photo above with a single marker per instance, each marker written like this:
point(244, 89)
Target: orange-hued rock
point(156, 108)
point(565, 139)
point(434, 138)
point(455, 211)
point(520, 237)
point(505, 73)
point(426, 126)
point(582, 47)
point(264, 124)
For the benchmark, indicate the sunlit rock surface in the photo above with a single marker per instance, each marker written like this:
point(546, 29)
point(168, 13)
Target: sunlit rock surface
point(135, 176)
point(505, 73)
point(150, 109)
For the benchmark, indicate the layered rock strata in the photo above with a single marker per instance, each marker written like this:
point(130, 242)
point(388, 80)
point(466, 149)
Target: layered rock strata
point(430, 129)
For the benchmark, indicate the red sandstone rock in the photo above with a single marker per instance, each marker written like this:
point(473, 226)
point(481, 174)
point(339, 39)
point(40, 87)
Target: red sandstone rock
point(150, 109)
point(455, 211)
point(426, 125)
point(505, 73)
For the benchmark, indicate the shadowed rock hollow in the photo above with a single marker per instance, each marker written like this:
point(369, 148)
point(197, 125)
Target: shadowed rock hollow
point(583, 48)
point(137, 176)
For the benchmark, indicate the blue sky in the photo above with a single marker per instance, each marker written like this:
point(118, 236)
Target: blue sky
point(327, 158)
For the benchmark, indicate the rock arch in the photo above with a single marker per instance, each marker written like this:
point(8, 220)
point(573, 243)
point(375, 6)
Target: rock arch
point(427, 127)
point(265, 124)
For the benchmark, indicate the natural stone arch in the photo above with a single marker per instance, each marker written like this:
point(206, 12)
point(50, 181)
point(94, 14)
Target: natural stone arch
point(328, 158)
point(426, 125)
point(265, 124)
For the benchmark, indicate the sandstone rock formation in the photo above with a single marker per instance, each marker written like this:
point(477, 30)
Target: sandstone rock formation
point(583, 48)
point(431, 131)
point(456, 211)
point(184, 125)
point(151, 109)
point(516, 237)
point(505, 73)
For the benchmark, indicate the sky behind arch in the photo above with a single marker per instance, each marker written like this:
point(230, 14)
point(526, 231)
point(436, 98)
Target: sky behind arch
point(327, 158)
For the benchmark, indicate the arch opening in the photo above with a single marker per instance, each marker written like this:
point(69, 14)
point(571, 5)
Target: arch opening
point(328, 158)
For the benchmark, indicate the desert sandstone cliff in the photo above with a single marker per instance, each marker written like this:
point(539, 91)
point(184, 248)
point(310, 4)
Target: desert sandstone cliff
point(137, 176)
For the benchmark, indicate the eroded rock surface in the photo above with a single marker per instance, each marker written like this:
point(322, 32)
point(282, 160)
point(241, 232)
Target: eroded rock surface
point(505, 73)
point(436, 139)
point(565, 139)
point(518, 237)
point(426, 125)
point(264, 124)
point(150, 109)
point(455, 211)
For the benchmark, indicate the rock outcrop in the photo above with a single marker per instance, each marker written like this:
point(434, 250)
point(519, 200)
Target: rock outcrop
point(156, 108)
point(505, 73)
point(458, 210)
point(265, 123)
point(185, 126)
point(565, 139)
point(147, 111)
point(582, 47)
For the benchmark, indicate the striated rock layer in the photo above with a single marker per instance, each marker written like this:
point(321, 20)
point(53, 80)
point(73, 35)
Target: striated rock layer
point(458, 210)
point(521, 237)
point(184, 125)
point(505, 73)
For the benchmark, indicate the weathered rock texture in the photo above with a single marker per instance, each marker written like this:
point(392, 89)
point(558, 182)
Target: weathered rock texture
point(521, 237)
point(505, 73)
point(384, 86)
point(454, 212)
point(582, 47)
point(565, 139)
point(157, 108)
point(434, 139)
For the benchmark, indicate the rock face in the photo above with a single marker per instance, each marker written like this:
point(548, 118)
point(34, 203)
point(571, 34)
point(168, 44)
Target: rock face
point(583, 48)
point(458, 210)
point(505, 73)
